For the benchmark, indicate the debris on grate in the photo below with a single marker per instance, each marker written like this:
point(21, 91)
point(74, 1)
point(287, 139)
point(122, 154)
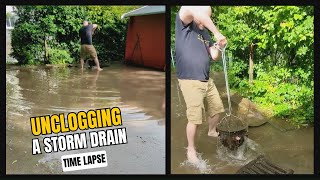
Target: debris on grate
point(262, 166)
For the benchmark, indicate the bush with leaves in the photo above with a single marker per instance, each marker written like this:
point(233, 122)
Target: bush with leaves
point(59, 56)
point(278, 40)
point(275, 91)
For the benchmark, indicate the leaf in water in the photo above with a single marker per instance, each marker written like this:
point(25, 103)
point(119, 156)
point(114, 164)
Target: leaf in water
point(14, 161)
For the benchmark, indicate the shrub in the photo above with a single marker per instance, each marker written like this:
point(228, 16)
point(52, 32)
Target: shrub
point(274, 90)
point(59, 56)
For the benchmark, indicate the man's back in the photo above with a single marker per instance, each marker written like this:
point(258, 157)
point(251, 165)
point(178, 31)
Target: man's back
point(85, 33)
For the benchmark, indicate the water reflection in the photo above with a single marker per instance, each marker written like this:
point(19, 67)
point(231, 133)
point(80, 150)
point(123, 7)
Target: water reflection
point(138, 92)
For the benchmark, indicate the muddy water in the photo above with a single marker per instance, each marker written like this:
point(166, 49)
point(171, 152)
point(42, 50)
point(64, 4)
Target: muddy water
point(289, 149)
point(139, 93)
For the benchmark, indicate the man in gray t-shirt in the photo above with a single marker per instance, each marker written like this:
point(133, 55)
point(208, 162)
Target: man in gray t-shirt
point(193, 50)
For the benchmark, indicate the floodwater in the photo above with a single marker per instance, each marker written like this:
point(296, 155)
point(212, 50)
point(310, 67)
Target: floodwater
point(282, 145)
point(138, 92)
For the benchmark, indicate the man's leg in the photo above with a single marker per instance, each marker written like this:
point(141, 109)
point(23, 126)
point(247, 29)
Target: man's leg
point(94, 56)
point(193, 94)
point(215, 106)
point(97, 64)
point(213, 122)
point(82, 56)
point(191, 152)
point(81, 63)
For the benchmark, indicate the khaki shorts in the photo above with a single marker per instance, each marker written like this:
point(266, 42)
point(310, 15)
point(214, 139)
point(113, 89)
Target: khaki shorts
point(86, 50)
point(194, 93)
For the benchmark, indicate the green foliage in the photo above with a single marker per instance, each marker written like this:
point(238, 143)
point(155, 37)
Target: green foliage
point(24, 53)
point(283, 56)
point(283, 39)
point(236, 73)
point(281, 90)
point(282, 35)
point(59, 56)
point(174, 11)
point(216, 66)
point(37, 24)
point(58, 26)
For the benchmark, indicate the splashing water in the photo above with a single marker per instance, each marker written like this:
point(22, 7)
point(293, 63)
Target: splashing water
point(247, 152)
point(202, 166)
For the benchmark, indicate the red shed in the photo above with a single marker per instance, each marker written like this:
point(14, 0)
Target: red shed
point(145, 41)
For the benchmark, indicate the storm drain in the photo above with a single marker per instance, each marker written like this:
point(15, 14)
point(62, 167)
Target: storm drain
point(262, 166)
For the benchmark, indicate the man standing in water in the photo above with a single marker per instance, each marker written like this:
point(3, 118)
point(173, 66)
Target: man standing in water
point(193, 50)
point(87, 48)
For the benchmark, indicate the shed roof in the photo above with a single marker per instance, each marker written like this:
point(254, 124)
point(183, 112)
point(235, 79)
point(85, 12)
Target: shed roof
point(145, 10)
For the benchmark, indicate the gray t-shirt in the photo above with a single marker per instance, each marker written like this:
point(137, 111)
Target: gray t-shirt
point(192, 51)
point(85, 33)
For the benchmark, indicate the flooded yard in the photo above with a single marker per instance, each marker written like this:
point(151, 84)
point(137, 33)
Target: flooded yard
point(138, 92)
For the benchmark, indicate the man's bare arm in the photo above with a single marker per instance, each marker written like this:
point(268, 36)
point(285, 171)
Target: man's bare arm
point(215, 53)
point(185, 15)
point(94, 27)
point(201, 15)
point(206, 21)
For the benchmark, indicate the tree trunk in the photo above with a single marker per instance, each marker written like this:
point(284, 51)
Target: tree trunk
point(251, 64)
point(46, 55)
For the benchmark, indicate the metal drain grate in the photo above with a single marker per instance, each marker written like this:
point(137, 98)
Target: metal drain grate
point(262, 166)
